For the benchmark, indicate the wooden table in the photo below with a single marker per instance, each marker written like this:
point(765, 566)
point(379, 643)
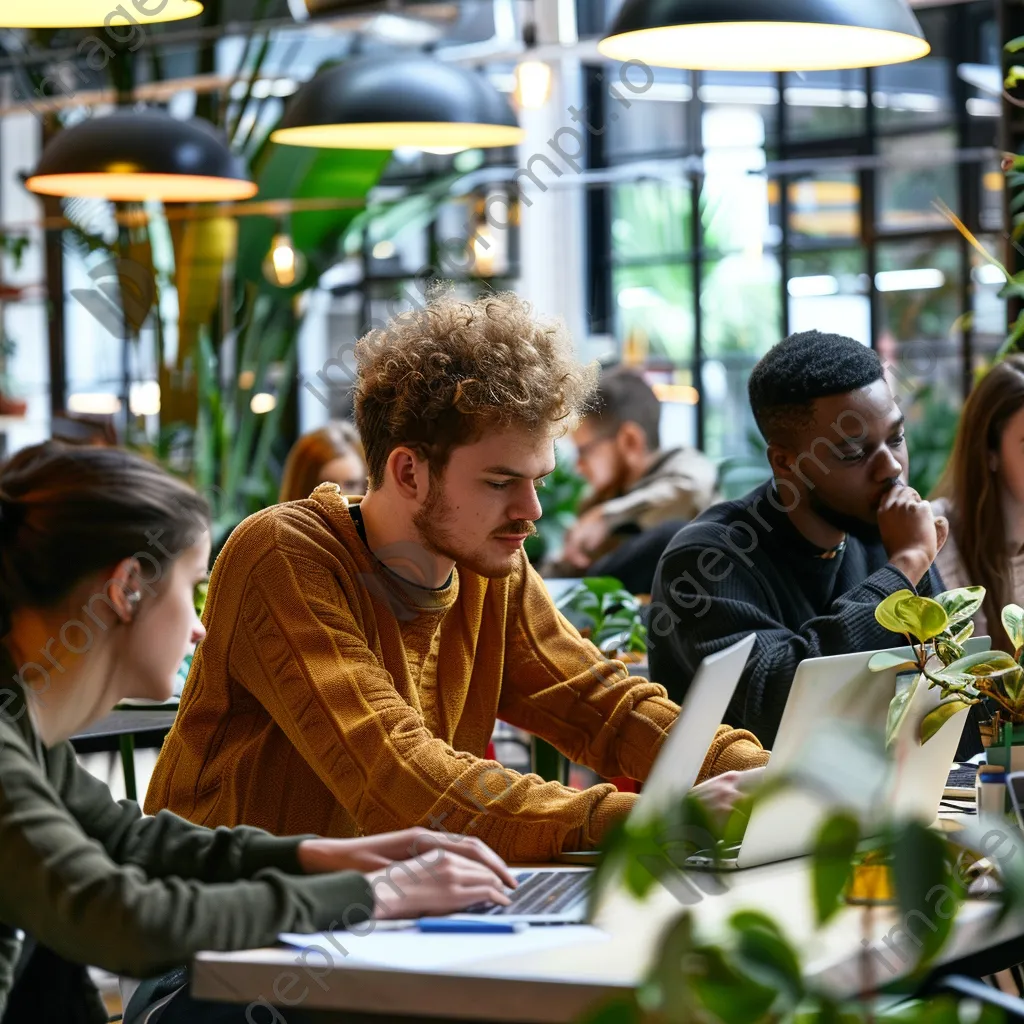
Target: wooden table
point(125, 729)
point(561, 984)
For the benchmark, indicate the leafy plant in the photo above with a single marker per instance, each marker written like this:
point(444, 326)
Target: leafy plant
point(606, 613)
point(937, 630)
point(930, 431)
point(559, 499)
point(748, 970)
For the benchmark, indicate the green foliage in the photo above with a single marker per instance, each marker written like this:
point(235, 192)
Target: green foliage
point(748, 970)
point(609, 614)
point(941, 627)
point(930, 429)
point(832, 863)
point(559, 499)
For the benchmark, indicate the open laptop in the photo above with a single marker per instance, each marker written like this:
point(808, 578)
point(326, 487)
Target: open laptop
point(559, 895)
point(836, 703)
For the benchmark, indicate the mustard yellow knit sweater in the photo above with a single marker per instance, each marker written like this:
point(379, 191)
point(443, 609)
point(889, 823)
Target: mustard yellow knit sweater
point(331, 698)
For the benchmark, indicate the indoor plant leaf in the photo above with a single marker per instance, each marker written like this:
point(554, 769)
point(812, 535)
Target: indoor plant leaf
point(948, 651)
point(832, 863)
point(937, 717)
point(885, 613)
point(924, 617)
point(898, 710)
point(884, 660)
point(961, 604)
point(919, 869)
point(1013, 623)
point(965, 634)
point(765, 953)
point(981, 663)
point(727, 992)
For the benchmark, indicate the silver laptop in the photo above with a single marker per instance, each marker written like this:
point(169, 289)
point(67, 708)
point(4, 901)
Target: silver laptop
point(559, 895)
point(834, 720)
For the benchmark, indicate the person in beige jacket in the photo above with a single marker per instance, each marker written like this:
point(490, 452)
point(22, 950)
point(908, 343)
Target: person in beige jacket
point(636, 487)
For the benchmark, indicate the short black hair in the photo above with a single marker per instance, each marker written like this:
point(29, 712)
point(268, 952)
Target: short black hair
point(625, 397)
point(804, 367)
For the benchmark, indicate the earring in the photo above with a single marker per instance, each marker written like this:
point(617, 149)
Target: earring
point(133, 600)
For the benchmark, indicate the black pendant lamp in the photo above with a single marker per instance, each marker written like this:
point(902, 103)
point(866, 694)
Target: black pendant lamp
point(765, 35)
point(135, 156)
point(408, 99)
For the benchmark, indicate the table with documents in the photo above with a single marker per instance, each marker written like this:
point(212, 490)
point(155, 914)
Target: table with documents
point(555, 974)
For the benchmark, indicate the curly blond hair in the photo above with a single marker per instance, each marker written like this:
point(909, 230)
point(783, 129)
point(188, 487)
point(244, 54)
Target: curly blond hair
point(436, 378)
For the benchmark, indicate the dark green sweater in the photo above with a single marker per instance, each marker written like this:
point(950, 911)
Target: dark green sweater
point(99, 883)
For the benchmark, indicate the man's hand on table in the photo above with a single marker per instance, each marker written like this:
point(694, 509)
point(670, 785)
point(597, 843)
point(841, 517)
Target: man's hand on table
point(420, 871)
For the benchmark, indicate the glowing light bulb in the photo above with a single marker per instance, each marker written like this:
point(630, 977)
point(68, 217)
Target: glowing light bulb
point(284, 265)
point(533, 84)
point(262, 402)
point(144, 398)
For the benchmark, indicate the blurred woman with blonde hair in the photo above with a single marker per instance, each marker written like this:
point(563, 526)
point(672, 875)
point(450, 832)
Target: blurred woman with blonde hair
point(332, 454)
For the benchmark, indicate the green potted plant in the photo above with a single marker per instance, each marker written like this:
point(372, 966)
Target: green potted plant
point(604, 612)
point(745, 967)
point(937, 630)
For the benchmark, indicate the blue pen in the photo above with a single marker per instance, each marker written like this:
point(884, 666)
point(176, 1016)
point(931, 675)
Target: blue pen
point(482, 926)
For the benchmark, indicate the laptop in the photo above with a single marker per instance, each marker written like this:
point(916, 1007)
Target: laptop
point(834, 720)
point(559, 895)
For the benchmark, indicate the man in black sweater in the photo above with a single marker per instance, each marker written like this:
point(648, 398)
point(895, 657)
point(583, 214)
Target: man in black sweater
point(804, 559)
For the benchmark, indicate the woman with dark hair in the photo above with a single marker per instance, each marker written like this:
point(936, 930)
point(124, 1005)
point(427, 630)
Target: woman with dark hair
point(982, 495)
point(100, 555)
point(332, 454)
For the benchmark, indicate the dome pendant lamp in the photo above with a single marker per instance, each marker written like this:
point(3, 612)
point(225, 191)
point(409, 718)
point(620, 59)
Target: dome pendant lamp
point(387, 102)
point(758, 35)
point(95, 13)
point(134, 156)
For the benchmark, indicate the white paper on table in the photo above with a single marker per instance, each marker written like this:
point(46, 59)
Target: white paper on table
point(409, 949)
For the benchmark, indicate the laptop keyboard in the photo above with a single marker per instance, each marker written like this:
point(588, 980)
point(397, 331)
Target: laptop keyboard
point(540, 892)
point(962, 777)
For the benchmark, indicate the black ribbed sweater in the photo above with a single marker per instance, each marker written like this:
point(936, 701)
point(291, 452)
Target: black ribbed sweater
point(742, 567)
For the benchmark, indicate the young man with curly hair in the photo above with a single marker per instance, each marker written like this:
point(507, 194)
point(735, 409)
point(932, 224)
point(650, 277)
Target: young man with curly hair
point(803, 560)
point(359, 651)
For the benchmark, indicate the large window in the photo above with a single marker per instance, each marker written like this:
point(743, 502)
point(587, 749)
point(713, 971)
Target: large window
point(743, 207)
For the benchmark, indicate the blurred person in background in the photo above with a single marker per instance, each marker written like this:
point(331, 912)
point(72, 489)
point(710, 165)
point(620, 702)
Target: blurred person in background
point(332, 454)
point(981, 493)
point(640, 493)
point(105, 550)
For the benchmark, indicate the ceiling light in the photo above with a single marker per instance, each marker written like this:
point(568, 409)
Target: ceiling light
point(375, 102)
point(284, 265)
point(144, 398)
point(533, 84)
point(754, 35)
point(924, 279)
point(989, 274)
point(96, 13)
point(813, 286)
point(262, 402)
point(135, 156)
point(94, 403)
